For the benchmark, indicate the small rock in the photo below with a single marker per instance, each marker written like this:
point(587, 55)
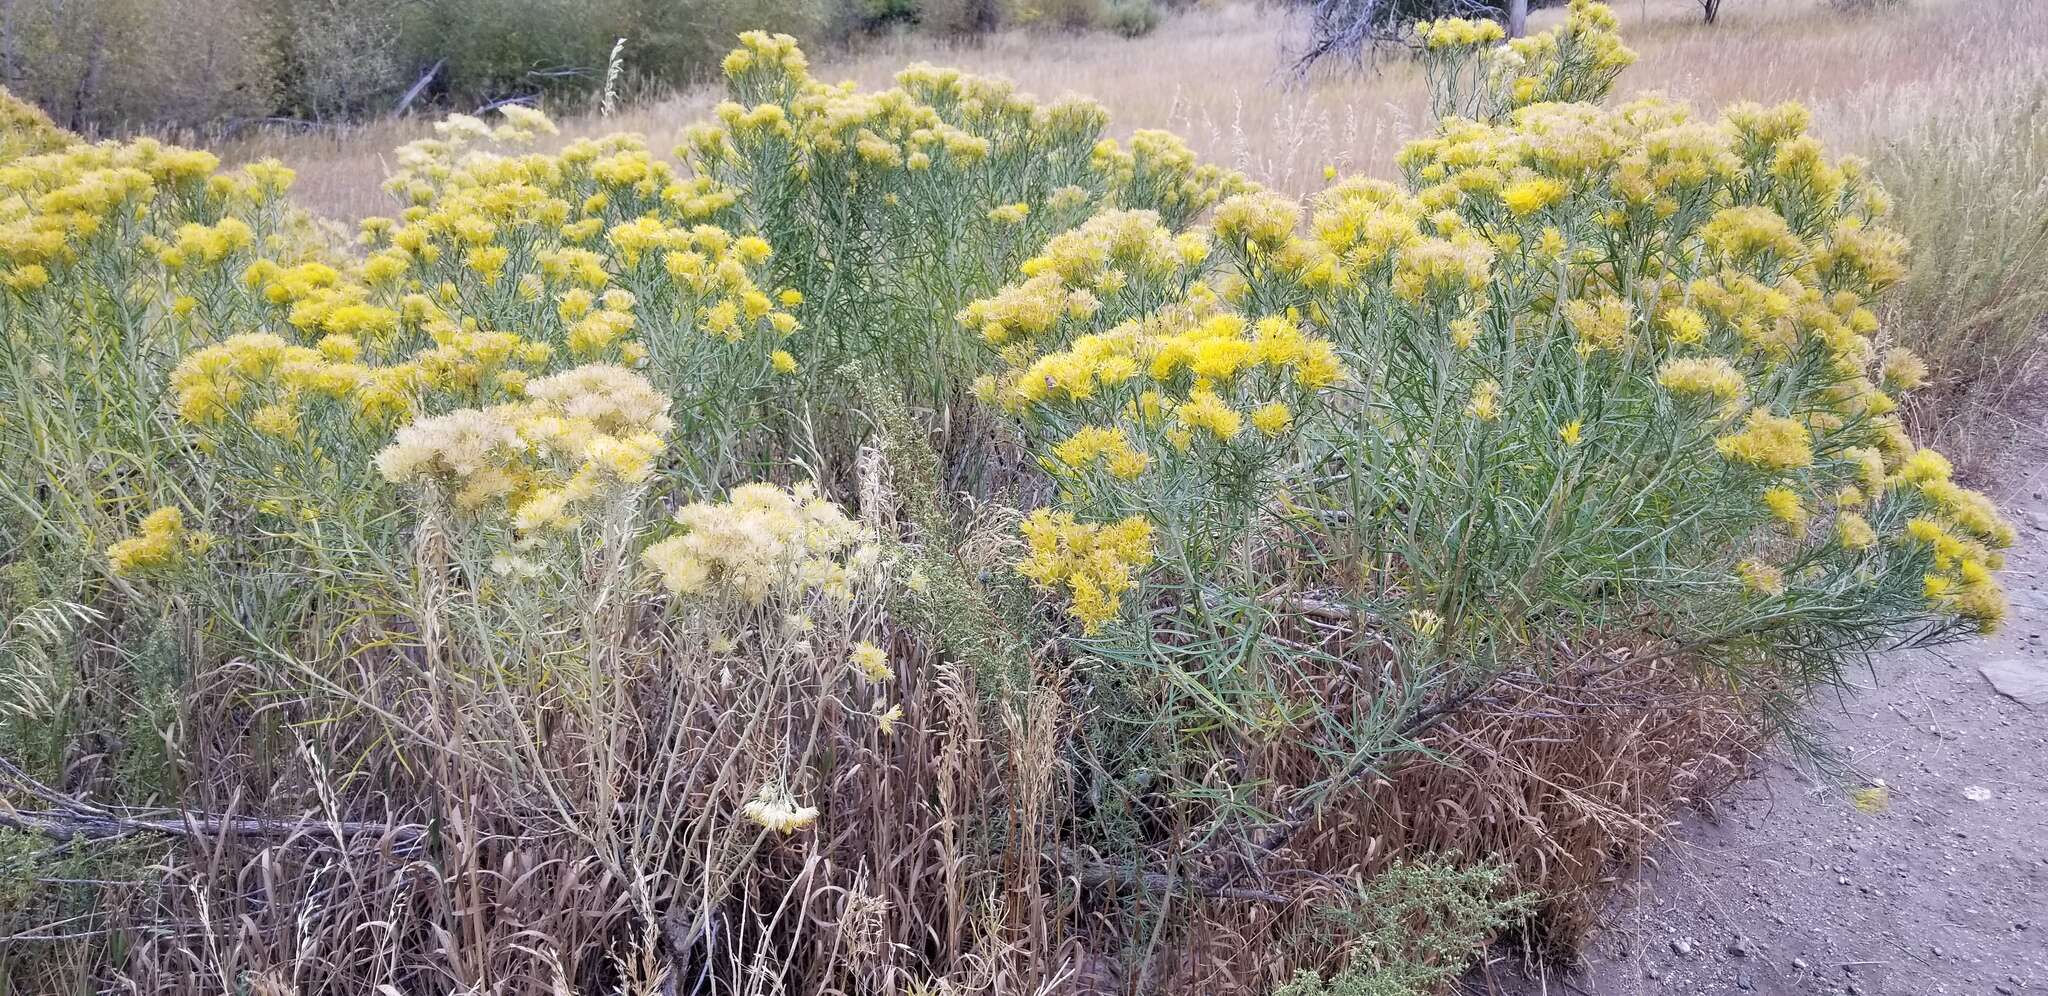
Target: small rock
point(1741, 947)
point(2021, 681)
point(1799, 964)
point(1976, 793)
point(1682, 946)
point(2003, 989)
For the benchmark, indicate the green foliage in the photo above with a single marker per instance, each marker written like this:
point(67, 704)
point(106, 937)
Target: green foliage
point(1132, 18)
point(128, 62)
point(1069, 15)
point(63, 905)
point(1410, 930)
point(1588, 382)
point(161, 63)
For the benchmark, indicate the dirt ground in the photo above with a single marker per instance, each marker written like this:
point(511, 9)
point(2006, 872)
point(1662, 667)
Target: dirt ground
point(1938, 884)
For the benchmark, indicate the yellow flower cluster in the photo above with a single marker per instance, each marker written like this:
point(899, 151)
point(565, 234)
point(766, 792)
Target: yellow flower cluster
point(871, 661)
point(162, 543)
point(1095, 564)
point(577, 229)
point(1454, 32)
point(1575, 61)
point(1761, 578)
point(1108, 250)
point(1357, 227)
point(63, 196)
point(763, 542)
point(1160, 172)
point(582, 433)
point(1744, 234)
point(1964, 534)
point(1786, 507)
point(915, 143)
point(1260, 222)
point(1442, 270)
point(1768, 441)
point(1173, 377)
point(1485, 403)
point(1961, 581)
point(1712, 376)
point(1600, 325)
point(232, 376)
point(26, 131)
point(1095, 445)
point(1854, 531)
point(1162, 381)
point(1904, 370)
point(777, 811)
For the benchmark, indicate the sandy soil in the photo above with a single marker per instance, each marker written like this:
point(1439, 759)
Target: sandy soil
point(1786, 885)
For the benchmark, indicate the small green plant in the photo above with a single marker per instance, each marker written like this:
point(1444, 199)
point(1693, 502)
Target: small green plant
point(1132, 18)
point(1410, 930)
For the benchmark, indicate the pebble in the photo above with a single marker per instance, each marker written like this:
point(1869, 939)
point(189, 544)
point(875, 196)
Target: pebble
point(1682, 946)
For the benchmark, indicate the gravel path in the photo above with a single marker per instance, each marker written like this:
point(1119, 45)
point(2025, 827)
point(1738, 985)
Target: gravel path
point(1938, 884)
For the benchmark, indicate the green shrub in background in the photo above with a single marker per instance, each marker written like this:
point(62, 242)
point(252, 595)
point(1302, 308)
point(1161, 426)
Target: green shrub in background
point(1132, 18)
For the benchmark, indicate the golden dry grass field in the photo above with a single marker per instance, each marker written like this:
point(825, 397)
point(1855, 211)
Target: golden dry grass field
point(1220, 76)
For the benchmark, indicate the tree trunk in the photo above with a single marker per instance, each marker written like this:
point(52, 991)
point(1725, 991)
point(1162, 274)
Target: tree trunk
point(1518, 18)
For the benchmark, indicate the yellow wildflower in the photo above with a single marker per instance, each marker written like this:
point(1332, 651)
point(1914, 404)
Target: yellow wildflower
point(871, 661)
point(1768, 441)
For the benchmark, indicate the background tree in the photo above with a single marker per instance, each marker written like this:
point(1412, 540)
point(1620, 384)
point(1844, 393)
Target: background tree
point(1358, 30)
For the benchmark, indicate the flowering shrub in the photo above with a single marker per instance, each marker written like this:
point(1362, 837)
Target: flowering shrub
point(1575, 369)
point(538, 512)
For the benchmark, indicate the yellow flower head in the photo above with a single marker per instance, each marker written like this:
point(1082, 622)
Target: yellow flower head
point(1769, 441)
point(871, 661)
point(1761, 578)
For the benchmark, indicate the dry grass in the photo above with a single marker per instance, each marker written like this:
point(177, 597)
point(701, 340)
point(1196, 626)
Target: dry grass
point(1562, 781)
point(1219, 76)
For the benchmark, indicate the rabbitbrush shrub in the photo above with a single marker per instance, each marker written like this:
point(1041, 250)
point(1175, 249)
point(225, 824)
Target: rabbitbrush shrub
point(918, 543)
